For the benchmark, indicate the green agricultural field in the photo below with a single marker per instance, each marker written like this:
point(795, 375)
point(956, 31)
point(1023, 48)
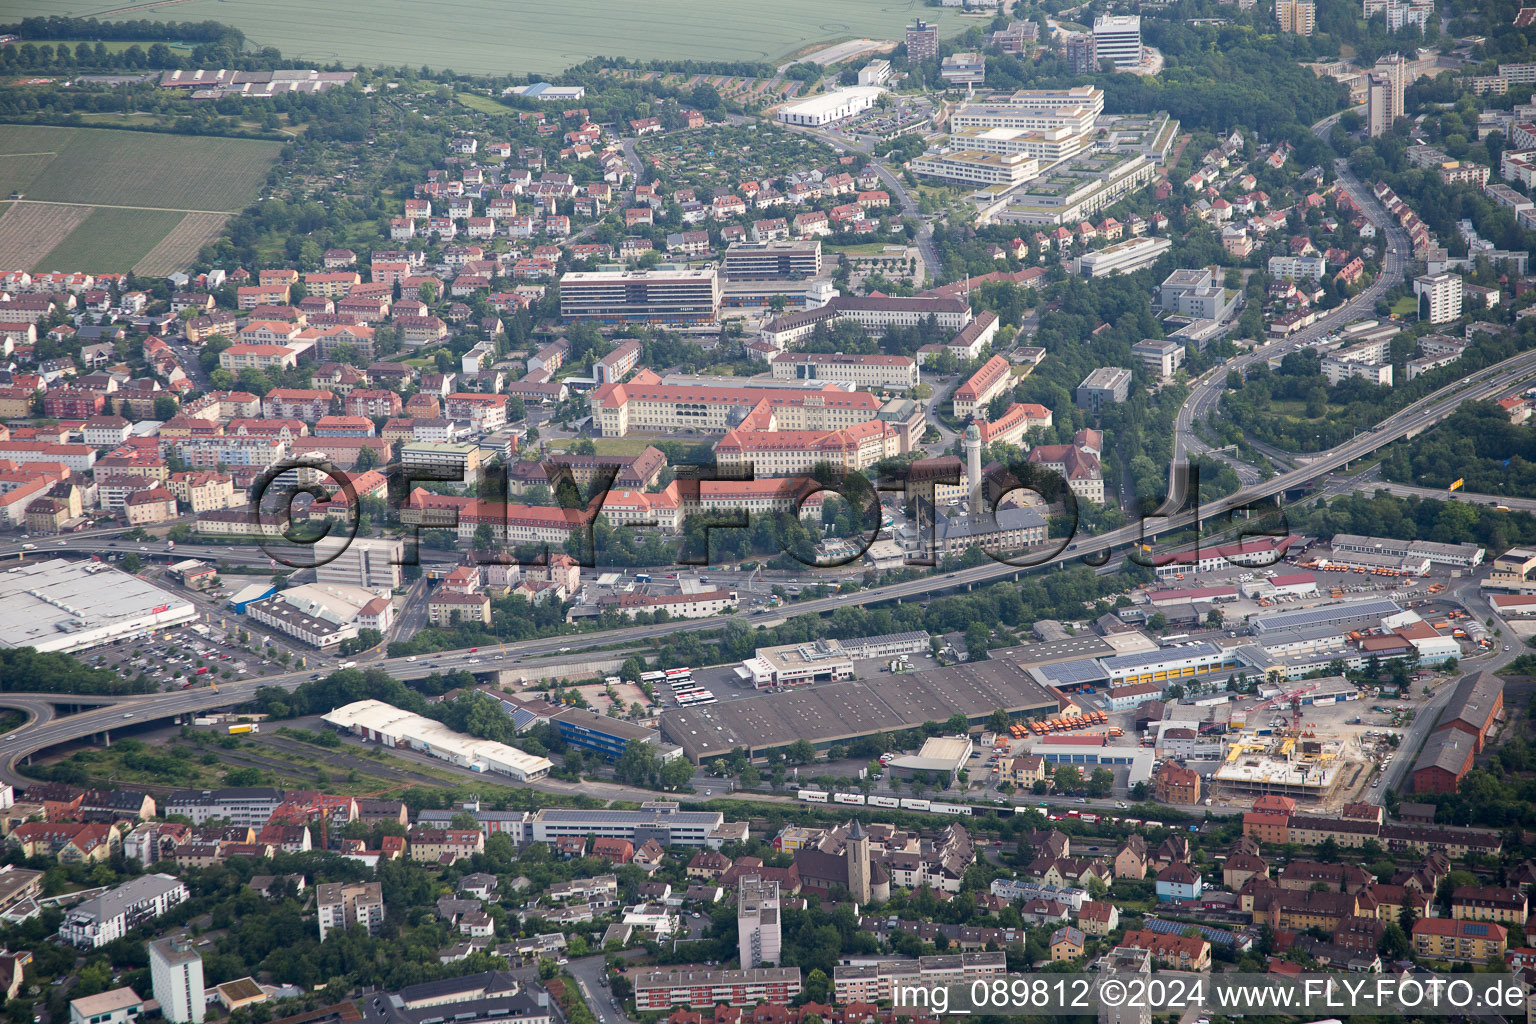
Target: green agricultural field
point(102, 167)
point(110, 240)
point(543, 36)
point(99, 200)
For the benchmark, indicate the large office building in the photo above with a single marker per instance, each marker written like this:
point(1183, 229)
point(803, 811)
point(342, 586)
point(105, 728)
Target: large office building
point(1118, 38)
point(1108, 385)
point(968, 167)
point(1047, 124)
point(1125, 257)
point(1078, 189)
point(176, 974)
point(773, 260)
point(62, 606)
point(372, 562)
point(663, 821)
point(664, 295)
point(882, 980)
point(645, 403)
point(869, 371)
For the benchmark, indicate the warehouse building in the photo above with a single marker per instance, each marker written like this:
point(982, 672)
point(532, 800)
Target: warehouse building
point(839, 712)
point(62, 606)
point(1457, 556)
point(392, 727)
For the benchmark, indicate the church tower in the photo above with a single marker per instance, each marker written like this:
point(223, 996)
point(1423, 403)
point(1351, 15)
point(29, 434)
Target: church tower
point(857, 854)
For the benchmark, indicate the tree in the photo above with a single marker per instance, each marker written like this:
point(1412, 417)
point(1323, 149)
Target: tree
point(1067, 778)
point(676, 773)
point(817, 987)
point(957, 723)
point(131, 563)
point(998, 721)
point(800, 752)
point(976, 637)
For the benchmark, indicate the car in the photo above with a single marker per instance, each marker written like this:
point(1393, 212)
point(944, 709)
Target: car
point(1506, 647)
point(128, 715)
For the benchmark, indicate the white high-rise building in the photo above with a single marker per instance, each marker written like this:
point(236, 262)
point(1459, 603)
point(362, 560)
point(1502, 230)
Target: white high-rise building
point(759, 934)
point(1444, 296)
point(370, 562)
point(176, 972)
point(1118, 37)
point(972, 443)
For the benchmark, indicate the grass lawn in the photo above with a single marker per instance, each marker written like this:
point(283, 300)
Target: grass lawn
point(543, 36)
point(858, 251)
point(607, 445)
point(484, 104)
point(1406, 306)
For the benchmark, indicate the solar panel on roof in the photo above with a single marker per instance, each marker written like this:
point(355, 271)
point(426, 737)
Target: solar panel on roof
point(1380, 607)
point(1140, 658)
point(1069, 673)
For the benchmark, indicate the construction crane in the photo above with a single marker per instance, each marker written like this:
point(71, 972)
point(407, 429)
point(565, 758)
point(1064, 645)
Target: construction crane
point(1296, 714)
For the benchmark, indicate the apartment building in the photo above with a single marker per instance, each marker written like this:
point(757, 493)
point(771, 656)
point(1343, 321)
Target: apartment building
point(759, 934)
point(118, 911)
point(661, 988)
point(1439, 297)
point(664, 821)
point(340, 905)
point(1478, 942)
point(176, 974)
point(879, 981)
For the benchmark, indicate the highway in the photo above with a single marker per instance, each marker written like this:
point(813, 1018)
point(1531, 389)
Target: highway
point(1207, 389)
point(43, 733)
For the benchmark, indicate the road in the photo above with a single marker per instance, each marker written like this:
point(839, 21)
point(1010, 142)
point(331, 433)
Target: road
point(1409, 421)
point(1207, 389)
point(1440, 494)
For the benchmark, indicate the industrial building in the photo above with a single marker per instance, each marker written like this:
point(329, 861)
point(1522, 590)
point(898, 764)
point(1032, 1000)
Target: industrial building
point(838, 712)
point(940, 757)
point(392, 727)
point(1125, 257)
point(1458, 556)
point(824, 660)
point(825, 108)
point(62, 606)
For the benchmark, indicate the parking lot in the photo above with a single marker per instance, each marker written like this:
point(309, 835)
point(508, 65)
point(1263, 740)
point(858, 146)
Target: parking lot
point(189, 655)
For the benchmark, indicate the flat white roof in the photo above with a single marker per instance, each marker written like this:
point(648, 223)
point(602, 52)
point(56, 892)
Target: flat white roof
point(400, 725)
point(58, 605)
point(827, 102)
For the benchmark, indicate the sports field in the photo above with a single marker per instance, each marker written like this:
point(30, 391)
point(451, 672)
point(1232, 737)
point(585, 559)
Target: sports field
point(99, 200)
point(546, 36)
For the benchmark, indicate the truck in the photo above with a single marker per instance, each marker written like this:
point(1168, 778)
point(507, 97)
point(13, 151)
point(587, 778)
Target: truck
point(247, 727)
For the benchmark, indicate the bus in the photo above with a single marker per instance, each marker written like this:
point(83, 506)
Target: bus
point(652, 677)
point(642, 577)
point(689, 700)
point(679, 689)
point(678, 673)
